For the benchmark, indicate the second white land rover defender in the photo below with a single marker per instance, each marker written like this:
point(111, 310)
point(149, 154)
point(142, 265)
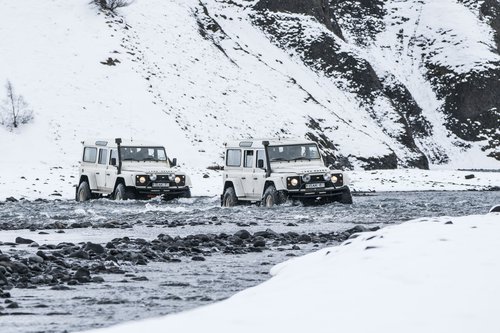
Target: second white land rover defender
point(129, 170)
point(271, 171)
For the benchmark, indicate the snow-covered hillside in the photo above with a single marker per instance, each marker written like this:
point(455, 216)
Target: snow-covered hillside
point(193, 74)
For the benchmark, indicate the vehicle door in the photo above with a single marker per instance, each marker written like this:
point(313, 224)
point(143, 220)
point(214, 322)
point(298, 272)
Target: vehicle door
point(102, 165)
point(234, 170)
point(247, 172)
point(259, 173)
point(89, 165)
point(112, 170)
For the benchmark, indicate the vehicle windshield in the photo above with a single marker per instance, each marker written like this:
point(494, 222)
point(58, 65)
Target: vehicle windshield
point(298, 152)
point(143, 154)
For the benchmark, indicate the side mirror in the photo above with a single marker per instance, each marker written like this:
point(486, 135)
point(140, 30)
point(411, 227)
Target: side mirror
point(260, 164)
point(113, 161)
point(174, 162)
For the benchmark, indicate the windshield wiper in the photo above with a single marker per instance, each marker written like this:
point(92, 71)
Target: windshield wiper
point(129, 159)
point(279, 159)
point(300, 158)
point(149, 159)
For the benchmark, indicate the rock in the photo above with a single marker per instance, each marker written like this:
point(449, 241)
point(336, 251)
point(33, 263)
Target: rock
point(259, 242)
point(36, 259)
point(96, 248)
point(243, 234)
point(13, 305)
point(19, 267)
point(305, 238)
point(198, 258)
point(11, 199)
point(206, 175)
point(97, 279)
point(20, 240)
point(356, 229)
point(82, 275)
point(471, 176)
point(5, 295)
point(79, 254)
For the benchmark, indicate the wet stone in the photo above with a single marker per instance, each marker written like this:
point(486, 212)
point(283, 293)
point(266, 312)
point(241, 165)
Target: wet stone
point(21, 240)
point(243, 234)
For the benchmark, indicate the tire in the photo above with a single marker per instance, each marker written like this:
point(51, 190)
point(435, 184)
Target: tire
point(229, 198)
point(271, 197)
point(186, 194)
point(346, 197)
point(83, 193)
point(121, 193)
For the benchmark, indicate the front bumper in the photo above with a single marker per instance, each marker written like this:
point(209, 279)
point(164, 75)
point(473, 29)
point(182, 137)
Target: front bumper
point(169, 191)
point(323, 192)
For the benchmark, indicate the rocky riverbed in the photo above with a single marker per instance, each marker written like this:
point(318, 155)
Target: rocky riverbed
point(66, 266)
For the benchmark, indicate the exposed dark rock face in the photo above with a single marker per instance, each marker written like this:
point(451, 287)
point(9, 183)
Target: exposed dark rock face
point(319, 9)
point(470, 99)
point(326, 54)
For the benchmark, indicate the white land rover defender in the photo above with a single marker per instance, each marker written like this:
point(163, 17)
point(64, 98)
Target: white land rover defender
point(129, 170)
point(270, 171)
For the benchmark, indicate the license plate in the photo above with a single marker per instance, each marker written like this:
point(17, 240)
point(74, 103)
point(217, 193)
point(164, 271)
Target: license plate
point(315, 185)
point(160, 184)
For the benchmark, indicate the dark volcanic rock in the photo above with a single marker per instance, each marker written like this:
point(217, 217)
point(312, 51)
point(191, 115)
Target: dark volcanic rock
point(82, 275)
point(96, 248)
point(20, 240)
point(243, 234)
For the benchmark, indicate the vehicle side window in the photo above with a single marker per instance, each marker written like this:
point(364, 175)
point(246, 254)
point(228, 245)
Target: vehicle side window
point(261, 155)
point(233, 157)
point(90, 154)
point(248, 161)
point(114, 154)
point(103, 156)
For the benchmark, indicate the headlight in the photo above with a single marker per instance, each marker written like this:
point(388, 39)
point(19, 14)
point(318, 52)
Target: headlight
point(334, 179)
point(294, 181)
point(177, 179)
point(142, 179)
point(327, 177)
point(306, 178)
point(152, 177)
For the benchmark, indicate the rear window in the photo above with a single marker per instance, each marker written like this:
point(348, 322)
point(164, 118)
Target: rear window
point(90, 155)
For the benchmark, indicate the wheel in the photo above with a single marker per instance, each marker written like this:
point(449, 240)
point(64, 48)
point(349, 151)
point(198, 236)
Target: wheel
point(229, 198)
point(121, 193)
point(83, 193)
point(271, 197)
point(186, 194)
point(346, 197)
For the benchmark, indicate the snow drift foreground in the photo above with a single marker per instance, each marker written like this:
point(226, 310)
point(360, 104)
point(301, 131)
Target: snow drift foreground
point(426, 275)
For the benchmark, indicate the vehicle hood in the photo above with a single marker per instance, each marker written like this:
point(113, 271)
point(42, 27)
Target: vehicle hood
point(148, 169)
point(301, 169)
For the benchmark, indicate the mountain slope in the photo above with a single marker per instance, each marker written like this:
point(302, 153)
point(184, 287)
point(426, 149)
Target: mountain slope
point(194, 74)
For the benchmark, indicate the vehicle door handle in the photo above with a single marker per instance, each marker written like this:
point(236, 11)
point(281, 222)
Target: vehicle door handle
point(97, 173)
point(243, 178)
point(108, 174)
point(255, 178)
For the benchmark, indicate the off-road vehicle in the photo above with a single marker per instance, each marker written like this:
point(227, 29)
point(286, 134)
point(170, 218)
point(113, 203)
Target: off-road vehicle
point(272, 171)
point(129, 170)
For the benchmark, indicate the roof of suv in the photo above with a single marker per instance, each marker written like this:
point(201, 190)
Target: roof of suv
point(257, 143)
point(108, 142)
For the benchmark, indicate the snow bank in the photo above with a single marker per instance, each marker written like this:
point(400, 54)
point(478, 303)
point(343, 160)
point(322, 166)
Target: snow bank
point(426, 275)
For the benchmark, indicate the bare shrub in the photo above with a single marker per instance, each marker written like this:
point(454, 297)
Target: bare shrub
point(112, 4)
point(14, 110)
